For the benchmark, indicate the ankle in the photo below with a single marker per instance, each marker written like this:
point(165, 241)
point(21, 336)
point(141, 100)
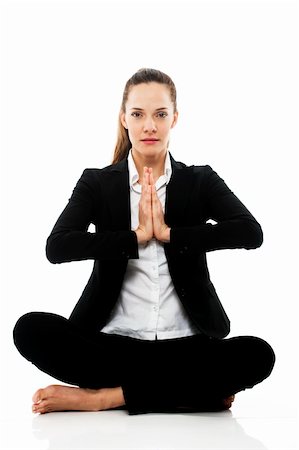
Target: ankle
point(113, 397)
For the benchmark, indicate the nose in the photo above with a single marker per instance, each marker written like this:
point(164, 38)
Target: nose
point(149, 125)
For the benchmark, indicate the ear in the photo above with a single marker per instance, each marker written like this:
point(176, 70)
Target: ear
point(123, 120)
point(175, 119)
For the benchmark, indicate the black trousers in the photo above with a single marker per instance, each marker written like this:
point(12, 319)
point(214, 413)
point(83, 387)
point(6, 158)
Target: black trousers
point(193, 373)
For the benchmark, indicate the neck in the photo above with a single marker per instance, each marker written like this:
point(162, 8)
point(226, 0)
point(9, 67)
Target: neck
point(156, 162)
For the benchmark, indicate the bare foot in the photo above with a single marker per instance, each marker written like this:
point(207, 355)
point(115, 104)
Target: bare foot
point(65, 398)
point(227, 402)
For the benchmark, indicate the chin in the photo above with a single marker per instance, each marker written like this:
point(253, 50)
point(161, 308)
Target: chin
point(153, 149)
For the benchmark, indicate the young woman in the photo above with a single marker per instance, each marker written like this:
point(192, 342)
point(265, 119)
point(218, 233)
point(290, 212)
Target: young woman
point(147, 333)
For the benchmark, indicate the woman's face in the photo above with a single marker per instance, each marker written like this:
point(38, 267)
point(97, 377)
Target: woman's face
point(149, 118)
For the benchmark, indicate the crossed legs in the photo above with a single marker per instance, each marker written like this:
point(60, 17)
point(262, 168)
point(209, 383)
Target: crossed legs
point(109, 371)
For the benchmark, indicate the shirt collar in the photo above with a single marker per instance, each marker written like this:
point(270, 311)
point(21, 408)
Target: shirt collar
point(133, 173)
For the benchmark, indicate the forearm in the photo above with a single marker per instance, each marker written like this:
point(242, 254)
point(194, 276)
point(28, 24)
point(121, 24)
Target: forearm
point(235, 226)
point(66, 246)
point(231, 234)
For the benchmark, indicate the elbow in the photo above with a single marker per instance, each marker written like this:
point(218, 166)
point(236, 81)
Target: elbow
point(51, 251)
point(254, 234)
point(260, 237)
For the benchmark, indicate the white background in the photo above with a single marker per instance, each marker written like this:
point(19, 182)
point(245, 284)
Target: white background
point(64, 65)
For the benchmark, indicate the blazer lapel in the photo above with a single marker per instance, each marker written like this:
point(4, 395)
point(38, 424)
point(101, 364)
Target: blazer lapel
point(117, 193)
point(178, 192)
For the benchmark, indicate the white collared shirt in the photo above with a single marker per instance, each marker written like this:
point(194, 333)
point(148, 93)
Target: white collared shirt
point(148, 306)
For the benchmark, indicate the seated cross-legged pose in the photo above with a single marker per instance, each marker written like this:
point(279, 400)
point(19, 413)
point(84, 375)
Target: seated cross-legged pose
point(148, 332)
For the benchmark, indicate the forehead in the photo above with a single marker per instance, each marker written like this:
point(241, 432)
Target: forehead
point(149, 95)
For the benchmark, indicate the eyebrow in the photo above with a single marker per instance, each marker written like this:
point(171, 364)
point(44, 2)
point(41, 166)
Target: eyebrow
point(158, 109)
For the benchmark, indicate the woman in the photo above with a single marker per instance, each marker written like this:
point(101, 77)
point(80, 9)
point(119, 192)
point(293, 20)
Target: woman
point(147, 333)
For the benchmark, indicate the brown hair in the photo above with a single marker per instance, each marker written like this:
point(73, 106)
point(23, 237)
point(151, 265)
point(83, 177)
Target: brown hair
point(144, 75)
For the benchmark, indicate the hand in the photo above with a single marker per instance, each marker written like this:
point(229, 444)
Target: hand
point(151, 216)
point(145, 228)
point(161, 230)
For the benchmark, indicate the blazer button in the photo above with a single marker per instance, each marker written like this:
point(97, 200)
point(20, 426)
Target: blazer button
point(183, 250)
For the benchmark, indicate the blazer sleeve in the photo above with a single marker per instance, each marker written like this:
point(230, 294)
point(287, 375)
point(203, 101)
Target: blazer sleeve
point(70, 241)
point(235, 226)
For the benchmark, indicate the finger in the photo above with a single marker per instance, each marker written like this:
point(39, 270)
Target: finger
point(148, 178)
point(154, 193)
point(146, 199)
point(151, 176)
point(156, 205)
point(145, 181)
point(149, 192)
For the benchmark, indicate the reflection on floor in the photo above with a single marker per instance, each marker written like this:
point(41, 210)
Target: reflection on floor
point(238, 429)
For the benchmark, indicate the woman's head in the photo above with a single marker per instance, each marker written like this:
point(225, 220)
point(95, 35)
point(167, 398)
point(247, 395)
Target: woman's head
point(148, 110)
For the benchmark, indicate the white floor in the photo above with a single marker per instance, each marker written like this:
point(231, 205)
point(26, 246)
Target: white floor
point(257, 420)
point(117, 430)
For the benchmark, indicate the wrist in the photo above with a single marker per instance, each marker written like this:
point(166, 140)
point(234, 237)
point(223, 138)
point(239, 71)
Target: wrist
point(166, 235)
point(140, 237)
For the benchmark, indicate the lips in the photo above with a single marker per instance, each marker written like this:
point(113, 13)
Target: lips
point(149, 139)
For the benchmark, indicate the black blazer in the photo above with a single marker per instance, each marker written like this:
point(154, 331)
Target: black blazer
point(194, 195)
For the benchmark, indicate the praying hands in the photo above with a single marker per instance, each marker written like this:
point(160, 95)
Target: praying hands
point(151, 216)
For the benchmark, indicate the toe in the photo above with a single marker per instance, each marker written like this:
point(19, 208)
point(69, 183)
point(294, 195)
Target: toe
point(227, 402)
point(40, 408)
point(37, 396)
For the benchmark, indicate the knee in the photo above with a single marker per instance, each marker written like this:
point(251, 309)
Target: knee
point(265, 357)
point(23, 327)
point(27, 330)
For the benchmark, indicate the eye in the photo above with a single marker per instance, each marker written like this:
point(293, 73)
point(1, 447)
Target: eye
point(136, 114)
point(162, 114)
